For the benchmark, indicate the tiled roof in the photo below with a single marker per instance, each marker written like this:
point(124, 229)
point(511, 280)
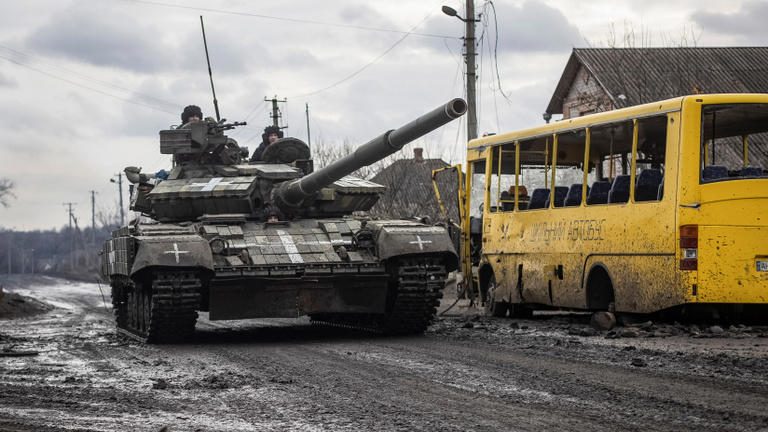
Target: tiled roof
point(644, 75)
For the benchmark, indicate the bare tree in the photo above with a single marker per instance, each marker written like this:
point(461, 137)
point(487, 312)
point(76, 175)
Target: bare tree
point(324, 153)
point(6, 191)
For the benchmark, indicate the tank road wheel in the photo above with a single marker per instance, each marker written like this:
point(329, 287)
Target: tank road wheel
point(162, 308)
point(492, 307)
point(415, 293)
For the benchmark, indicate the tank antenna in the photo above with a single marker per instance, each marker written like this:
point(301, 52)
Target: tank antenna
point(210, 74)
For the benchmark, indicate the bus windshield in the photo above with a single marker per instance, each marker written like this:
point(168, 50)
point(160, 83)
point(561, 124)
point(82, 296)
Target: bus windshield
point(734, 142)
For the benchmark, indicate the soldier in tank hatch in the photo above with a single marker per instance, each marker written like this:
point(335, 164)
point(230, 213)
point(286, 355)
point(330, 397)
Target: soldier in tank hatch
point(270, 135)
point(191, 114)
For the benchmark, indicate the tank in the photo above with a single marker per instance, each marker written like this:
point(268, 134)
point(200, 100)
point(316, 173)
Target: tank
point(273, 238)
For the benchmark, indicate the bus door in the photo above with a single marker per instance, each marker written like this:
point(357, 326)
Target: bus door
point(462, 199)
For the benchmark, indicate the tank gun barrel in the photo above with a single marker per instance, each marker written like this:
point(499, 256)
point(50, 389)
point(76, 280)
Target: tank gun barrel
point(292, 194)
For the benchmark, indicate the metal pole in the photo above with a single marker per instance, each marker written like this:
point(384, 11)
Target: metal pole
point(71, 236)
point(276, 110)
point(469, 44)
point(309, 136)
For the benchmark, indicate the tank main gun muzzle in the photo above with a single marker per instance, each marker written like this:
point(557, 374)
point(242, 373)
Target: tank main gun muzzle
point(293, 194)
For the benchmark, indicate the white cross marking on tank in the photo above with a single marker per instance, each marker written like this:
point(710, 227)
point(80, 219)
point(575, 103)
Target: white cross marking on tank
point(420, 242)
point(212, 183)
point(176, 252)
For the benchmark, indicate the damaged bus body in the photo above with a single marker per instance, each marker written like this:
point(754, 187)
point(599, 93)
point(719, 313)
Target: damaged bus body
point(657, 207)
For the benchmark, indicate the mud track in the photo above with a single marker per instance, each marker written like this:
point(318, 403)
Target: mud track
point(467, 373)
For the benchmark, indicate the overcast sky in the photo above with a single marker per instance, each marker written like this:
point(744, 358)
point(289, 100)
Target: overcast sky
point(86, 84)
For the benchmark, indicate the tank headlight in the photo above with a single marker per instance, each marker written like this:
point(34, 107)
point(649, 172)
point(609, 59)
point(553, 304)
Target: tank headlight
point(218, 245)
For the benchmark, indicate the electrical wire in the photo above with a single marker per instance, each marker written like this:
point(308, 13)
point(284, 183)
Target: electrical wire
point(367, 65)
point(38, 59)
point(496, 51)
point(74, 83)
point(286, 19)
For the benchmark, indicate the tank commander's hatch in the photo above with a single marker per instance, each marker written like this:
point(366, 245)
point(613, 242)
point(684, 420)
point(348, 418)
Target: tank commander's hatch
point(285, 151)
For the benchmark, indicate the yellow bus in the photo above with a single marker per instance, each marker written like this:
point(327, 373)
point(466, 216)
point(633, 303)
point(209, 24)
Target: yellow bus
point(649, 208)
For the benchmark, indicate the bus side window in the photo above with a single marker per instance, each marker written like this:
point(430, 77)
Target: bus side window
point(535, 173)
point(477, 194)
point(569, 172)
point(651, 151)
point(503, 178)
point(610, 154)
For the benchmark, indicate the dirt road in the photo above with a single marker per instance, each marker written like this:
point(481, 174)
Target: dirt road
point(467, 373)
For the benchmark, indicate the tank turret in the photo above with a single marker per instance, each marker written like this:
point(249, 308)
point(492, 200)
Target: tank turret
point(210, 177)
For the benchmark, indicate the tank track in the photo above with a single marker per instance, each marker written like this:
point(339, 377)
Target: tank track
point(412, 305)
point(161, 309)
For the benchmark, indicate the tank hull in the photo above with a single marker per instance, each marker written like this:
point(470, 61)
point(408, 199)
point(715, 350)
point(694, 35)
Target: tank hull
point(339, 271)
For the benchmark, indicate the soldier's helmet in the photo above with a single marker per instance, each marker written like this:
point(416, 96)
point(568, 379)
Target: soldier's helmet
point(269, 130)
point(189, 111)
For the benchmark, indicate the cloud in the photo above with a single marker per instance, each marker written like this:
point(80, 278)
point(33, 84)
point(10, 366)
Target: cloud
point(101, 36)
point(746, 25)
point(530, 27)
point(6, 81)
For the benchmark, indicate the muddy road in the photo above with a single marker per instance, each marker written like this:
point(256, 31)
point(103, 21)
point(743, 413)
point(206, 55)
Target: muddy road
point(466, 373)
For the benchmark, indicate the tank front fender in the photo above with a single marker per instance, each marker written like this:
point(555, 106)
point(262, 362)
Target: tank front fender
point(395, 241)
point(172, 251)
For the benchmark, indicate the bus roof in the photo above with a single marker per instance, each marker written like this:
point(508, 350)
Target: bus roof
point(636, 111)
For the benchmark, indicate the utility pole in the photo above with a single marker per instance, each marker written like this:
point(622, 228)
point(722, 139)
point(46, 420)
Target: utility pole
point(276, 115)
point(93, 217)
point(309, 136)
point(10, 251)
point(93, 221)
point(469, 60)
point(71, 235)
point(120, 194)
point(469, 44)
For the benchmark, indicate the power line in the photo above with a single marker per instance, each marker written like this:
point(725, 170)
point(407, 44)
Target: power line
point(74, 83)
point(496, 51)
point(30, 57)
point(367, 65)
point(293, 20)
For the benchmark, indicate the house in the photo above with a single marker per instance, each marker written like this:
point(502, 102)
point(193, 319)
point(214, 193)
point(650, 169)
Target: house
point(602, 79)
point(410, 192)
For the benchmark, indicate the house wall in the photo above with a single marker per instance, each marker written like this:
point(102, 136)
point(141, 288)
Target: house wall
point(585, 96)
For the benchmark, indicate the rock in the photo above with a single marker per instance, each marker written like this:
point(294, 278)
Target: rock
point(642, 325)
point(514, 325)
point(603, 321)
point(587, 332)
point(160, 384)
point(716, 329)
point(467, 325)
point(628, 333)
point(69, 379)
point(629, 348)
point(638, 362)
